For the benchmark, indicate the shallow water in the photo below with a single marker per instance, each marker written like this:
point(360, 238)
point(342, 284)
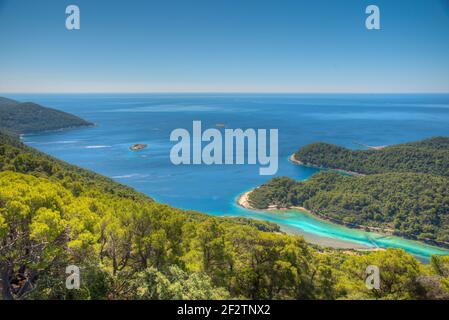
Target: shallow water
point(123, 120)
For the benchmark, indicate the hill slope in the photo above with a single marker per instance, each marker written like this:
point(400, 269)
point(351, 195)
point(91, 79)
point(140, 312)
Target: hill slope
point(29, 117)
point(17, 157)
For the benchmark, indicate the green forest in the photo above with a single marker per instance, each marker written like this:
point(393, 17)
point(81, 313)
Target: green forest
point(128, 246)
point(427, 156)
point(27, 117)
point(411, 205)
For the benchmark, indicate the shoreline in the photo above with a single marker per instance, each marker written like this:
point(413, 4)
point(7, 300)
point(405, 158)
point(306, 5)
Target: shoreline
point(32, 133)
point(310, 165)
point(322, 241)
point(243, 201)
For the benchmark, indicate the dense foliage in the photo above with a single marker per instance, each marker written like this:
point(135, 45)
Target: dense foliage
point(129, 250)
point(413, 205)
point(427, 156)
point(138, 250)
point(30, 117)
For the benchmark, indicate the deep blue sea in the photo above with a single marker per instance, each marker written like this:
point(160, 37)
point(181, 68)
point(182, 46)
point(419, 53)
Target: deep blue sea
point(123, 120)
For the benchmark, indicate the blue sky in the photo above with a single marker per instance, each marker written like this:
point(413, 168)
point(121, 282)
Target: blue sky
point(224, 46)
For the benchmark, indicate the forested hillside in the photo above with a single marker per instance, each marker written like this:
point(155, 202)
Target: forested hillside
point(128, 247)
point(427, 156)
point(17, 157)
point(29, 117)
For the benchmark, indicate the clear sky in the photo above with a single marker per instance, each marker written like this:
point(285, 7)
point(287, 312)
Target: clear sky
point(224, 46)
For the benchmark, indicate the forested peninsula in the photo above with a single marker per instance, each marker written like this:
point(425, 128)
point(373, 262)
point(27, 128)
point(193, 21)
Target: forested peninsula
point(426, 156)
point(404, 189)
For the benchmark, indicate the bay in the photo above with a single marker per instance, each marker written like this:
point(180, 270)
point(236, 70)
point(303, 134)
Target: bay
point(126, 119)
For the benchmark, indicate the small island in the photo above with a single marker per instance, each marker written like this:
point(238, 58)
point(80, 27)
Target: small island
point(138, 146)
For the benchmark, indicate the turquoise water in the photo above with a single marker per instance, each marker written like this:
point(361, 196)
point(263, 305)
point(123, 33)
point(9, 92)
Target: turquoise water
point(123, 120)
point(309, 225)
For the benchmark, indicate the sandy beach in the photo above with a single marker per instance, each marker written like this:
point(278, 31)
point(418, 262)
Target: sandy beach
point(243, 201)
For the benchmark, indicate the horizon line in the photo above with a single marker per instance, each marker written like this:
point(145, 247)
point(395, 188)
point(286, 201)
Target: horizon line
point(225, 92)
